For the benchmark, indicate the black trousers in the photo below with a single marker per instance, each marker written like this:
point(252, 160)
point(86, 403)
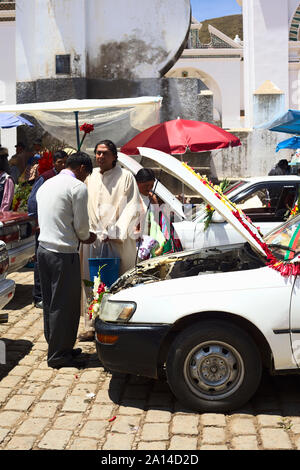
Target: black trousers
point(36, 292)
point(61, 290)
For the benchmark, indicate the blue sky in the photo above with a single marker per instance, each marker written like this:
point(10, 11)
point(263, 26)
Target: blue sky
point(206, 9)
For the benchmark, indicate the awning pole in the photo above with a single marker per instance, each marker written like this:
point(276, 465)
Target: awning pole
point(77, 130)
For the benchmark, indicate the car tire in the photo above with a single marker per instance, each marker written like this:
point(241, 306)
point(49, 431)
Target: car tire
point(213, 366)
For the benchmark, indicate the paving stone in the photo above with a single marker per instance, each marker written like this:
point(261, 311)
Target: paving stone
point(9, 418)
point(4, 393)
point(213, 419)
point(213, 435)
point(268, 420)
point(3, 434)
point(158, 416)
point(31, 388)
point(83, 389)
point(125, 424)
point(55, 394)
point(19, 403)
point(275, 439)
point(242, 426)
point(118, 442)
point(44, 410)
point(21, 443)
point(10, 381)
point(155, 432)
point(154, 445)
point(32, 426)
point(183, 424)
point(20, 370)
point(91, 376)
point(84, 444)
point(40, 375)
point(94, 429)
point(99, 411)
point(75, 403)
point(213, 447)
point(245, 443)
point(68, 421)
point(131, 407)
point(55, 439)
point(183, 443)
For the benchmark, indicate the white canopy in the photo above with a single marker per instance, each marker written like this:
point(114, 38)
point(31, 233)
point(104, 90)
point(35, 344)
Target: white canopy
point(116, 119)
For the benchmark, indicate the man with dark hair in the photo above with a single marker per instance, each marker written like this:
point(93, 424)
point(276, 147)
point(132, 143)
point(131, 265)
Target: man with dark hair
point(59, 162)
point(113, 208)
point(64, 223)
point(281, 168)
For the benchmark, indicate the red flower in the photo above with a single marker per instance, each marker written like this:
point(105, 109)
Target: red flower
point(101, 288)
point(87, 128)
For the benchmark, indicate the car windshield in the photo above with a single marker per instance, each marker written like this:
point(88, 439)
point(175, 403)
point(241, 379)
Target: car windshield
point(284, 242)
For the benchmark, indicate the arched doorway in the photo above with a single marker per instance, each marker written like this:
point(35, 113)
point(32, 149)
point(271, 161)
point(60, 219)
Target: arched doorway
point(208, 82)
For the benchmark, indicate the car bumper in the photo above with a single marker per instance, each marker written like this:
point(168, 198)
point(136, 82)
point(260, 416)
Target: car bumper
point(7, 291)
point(136, 351)
point(20, 255)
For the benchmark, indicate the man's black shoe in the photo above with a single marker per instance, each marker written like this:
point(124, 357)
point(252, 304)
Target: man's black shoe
point(38, 304)
point(76, 352)
point(72, 363)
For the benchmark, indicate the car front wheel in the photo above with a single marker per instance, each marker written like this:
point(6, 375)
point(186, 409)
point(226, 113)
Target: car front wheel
point(213, 366)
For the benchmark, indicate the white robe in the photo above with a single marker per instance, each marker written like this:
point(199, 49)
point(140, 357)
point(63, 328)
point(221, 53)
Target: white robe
point(113, 207)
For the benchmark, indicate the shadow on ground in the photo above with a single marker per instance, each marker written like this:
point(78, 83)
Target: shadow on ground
point(11, 354)
point(22, 297)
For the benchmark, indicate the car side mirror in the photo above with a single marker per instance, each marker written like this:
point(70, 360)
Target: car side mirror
point(217, 218)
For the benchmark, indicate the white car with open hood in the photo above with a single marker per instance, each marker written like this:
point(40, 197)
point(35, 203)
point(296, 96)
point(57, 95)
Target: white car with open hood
point(209, 319)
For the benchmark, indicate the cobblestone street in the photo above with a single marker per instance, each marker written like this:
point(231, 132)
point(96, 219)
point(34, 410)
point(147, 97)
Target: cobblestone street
point(91, 408)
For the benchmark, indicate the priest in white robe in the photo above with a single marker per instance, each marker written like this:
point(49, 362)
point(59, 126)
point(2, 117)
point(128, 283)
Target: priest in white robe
point(113, 207)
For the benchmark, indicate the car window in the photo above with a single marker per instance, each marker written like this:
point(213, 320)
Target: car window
point(285, 241)
point(268, 201)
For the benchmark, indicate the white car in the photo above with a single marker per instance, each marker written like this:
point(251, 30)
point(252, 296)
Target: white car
point(208, 319)
point(266, 200)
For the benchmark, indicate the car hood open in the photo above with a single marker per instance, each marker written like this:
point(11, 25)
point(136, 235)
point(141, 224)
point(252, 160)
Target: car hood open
point(132, 165)
point(217, 200)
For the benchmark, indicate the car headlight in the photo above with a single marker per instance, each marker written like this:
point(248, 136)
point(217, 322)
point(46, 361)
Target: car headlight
point(116, 310)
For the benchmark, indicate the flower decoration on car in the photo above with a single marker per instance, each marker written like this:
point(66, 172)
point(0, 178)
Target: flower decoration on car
point(285, 268)
point(98, 291)
point(21, 195)
point(87, 129)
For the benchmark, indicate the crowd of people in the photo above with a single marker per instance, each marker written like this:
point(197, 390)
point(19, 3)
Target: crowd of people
point(84, 211)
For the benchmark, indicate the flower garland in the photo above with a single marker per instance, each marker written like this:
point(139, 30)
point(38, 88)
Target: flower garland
point(284, 268)
point(99, 289)
point(210, 210)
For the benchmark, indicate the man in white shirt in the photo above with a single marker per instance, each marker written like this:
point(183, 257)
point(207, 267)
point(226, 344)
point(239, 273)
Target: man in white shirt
point(64, 223)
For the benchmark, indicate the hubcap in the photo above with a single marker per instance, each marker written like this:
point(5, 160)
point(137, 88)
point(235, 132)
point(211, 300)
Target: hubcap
point(213, 370)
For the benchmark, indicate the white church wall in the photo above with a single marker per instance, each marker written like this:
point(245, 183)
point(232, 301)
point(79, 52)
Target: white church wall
point(7, 78)
point(46, 29)
point(223, 78)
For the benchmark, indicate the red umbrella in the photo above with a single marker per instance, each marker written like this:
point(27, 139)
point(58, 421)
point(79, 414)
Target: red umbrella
point(179, 135)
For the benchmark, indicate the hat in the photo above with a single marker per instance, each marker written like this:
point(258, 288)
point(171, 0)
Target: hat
point(20, 144)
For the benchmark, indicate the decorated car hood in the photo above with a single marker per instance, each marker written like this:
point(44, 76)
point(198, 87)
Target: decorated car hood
point(210, 194)
point(132, 165)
